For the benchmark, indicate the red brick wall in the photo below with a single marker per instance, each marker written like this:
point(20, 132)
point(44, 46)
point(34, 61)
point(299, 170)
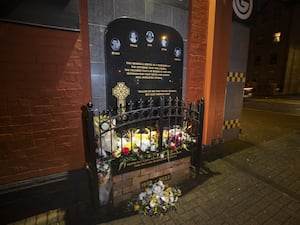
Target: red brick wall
point(127, 186)
point(44, 80)
point(207, 65)
point(196, 54)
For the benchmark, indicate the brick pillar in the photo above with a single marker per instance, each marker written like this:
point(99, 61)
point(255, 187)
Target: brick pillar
point(207, 66)
point(196, 49)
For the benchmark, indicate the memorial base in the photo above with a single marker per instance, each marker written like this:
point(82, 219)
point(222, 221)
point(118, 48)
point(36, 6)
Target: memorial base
point(128, 185)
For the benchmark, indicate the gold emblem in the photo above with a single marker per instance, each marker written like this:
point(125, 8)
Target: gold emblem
point(121, 91)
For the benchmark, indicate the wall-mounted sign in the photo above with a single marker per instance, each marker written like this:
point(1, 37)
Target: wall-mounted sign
point(143, 60)
point(243, 11)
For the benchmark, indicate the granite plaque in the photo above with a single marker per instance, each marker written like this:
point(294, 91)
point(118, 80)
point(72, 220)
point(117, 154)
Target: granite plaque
point(143, 60)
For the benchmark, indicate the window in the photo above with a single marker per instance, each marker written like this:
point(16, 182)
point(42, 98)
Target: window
point(257, 61)
point(273, 58)
point(276, 37)
point(259, 40)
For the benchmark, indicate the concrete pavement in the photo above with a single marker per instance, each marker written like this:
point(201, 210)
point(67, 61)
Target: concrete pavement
point(255, 186)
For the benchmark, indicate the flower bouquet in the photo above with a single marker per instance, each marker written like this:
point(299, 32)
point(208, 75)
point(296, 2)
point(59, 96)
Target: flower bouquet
point(103, 170)
point(139, 143)
point(156, 200)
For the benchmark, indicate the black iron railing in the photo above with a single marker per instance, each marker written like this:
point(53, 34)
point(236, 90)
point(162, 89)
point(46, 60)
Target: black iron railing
point(141, 134)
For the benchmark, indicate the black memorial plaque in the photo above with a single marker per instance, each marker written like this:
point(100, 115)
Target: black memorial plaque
point(142, 60)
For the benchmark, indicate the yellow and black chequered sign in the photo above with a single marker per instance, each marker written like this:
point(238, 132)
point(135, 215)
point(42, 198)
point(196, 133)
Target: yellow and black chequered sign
point(229, 124)
point(236, 77)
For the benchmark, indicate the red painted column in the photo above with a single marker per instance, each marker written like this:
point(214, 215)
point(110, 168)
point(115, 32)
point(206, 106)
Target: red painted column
point(207, 66)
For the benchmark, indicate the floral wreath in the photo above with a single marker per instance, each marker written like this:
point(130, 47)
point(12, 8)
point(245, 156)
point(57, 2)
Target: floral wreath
point(156, 200)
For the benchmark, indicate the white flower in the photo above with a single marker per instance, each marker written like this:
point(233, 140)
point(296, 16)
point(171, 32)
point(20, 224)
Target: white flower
point(104, 126)
point(149, 191)
point(143, 144)
point(105, 167)
point(161, 184)
point(158, 190)
point(153, 148)
point(135, 150)
point(165, 199)
point(171, 199)
point(178, 192)
point(152, 203)
point(142, 195)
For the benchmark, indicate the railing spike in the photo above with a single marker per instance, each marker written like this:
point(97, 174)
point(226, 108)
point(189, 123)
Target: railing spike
point(150, 102)
point(169, 101)
point(130, 105)
point(90, 105)
point(140, 102)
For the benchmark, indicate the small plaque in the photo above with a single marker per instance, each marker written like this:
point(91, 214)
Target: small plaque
point(163, 178)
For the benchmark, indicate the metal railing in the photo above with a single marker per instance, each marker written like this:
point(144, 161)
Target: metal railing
point(154, 128)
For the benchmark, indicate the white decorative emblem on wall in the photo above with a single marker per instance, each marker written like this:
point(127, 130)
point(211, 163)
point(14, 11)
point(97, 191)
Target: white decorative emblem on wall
point(242, 8)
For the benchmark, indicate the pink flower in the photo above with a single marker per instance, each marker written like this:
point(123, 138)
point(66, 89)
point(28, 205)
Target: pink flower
point(173, 147)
